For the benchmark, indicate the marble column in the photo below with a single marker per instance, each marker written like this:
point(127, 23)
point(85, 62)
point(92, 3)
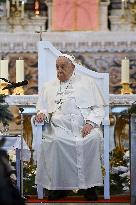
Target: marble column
point(103, 16)
point(133, 159)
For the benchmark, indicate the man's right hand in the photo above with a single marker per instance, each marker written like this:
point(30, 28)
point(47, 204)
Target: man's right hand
point(40, 117)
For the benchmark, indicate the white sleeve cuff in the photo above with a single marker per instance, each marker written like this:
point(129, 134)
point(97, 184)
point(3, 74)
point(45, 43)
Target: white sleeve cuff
point(91, 123)
point(41, 111)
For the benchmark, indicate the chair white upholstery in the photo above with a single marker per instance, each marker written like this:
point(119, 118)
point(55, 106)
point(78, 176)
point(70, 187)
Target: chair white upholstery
point(47, 55)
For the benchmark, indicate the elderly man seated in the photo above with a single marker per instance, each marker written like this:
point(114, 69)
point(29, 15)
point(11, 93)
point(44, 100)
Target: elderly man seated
point(71, 144)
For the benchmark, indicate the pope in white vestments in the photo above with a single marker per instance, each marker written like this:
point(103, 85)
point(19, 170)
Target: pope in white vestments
point(71, 146)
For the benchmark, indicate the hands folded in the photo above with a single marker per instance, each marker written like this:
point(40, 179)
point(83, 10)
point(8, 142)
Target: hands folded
point(40, 117)
point(86, 129)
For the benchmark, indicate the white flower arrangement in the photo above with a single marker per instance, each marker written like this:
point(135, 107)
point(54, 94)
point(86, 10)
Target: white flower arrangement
point(126, 156)
point(121, 173)
point(119, 169)
point(12, 155)
point(126, 174)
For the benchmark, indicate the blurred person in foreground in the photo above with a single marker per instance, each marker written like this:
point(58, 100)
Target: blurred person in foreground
point(9, 193)
point(71, 145)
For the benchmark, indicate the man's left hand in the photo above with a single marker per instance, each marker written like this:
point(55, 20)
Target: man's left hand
point(87, 129)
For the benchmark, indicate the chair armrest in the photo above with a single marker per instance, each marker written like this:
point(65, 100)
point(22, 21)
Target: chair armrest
point(37, 137)
point(106, 121)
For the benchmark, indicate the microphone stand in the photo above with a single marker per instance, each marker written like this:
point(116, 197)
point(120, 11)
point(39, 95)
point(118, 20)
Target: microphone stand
point(21, 152)
point(20, 166)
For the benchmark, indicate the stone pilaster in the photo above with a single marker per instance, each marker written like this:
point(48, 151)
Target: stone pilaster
point(103, 15)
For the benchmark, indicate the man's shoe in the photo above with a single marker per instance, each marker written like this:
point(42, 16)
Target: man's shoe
point(90, 194)
point(57, 194)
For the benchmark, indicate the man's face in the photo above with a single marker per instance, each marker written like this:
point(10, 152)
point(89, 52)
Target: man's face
point(64, 68)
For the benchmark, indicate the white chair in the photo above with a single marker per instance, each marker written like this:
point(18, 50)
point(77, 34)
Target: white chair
point(47, 55)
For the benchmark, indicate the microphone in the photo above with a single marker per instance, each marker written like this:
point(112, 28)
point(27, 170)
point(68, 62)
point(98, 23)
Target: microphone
point(6, 80)
point(15, 85)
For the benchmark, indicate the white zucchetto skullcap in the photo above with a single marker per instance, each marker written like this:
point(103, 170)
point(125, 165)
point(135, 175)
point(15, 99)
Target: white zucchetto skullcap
point(71, 58)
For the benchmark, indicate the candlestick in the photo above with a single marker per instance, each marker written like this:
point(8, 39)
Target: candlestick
point(125, 71)
point(22, 9)
point(19, 70)
point(126, 89)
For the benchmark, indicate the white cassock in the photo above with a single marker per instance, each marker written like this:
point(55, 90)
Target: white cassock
point(68, 161)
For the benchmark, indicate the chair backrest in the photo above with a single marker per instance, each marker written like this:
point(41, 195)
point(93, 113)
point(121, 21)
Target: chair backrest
point(47, 55)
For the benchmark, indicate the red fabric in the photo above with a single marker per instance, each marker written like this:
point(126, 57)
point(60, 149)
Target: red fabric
point(80, 199)
point(69, 15)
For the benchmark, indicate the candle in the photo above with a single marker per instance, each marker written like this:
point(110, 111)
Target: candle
point(4, 69)
point(122, 7)
point(17, 3)
point(8, 8)
point(22, 9)
point(125, 71)
point(19, 70)
point(13, 1)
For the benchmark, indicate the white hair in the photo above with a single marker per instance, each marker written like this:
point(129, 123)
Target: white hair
point(71, 58)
